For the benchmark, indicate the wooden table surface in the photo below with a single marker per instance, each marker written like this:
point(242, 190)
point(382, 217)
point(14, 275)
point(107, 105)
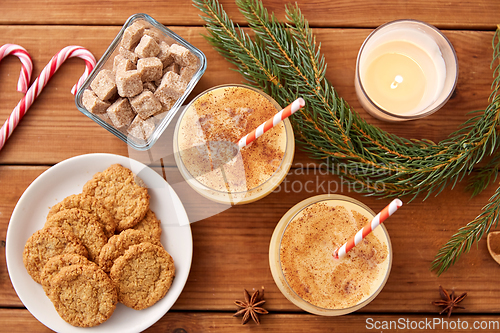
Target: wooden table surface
point(231, 248)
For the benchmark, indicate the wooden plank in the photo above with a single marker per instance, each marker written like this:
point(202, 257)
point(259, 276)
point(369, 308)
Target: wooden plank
point(20, 321)
point(231, 248)
point(54, 130)
point(456, 14)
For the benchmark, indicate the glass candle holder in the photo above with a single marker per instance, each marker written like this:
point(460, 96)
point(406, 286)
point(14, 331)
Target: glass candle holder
point(405, 70)
point(302, 262)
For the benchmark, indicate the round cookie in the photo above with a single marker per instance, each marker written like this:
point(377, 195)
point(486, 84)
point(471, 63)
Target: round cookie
point(116, 186)
point(118, 244)
point(83, 295)
point(150, 224)
point(54, 265)
point(91, 205)
point(47, 243)
point(143, 275)
point(84, 226)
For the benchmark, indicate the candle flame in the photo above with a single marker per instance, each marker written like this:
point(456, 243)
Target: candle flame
point(397, 80)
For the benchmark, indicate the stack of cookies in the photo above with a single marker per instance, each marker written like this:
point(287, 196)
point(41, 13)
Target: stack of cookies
point(101, 247)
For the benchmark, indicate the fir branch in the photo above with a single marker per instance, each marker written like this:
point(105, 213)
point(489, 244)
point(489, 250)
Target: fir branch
point(484, 176)
point(285, 61)
point(462, 241)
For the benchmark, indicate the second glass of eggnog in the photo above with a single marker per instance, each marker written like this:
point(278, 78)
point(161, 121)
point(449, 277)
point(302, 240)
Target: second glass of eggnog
point(206, 145)
point(301, 256)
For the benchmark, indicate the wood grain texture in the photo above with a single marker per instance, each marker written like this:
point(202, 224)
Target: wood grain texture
point(20, 321)
point(231, 244)
point(456, 14)
point(231, 247)
point(54, 130)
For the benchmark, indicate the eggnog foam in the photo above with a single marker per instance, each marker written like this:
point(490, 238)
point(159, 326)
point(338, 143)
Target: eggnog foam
point(307, 261)
point(209, 132)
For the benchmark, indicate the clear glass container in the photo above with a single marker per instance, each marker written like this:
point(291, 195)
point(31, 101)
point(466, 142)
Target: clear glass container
point(424, 44)
point(231, 196)
point(106, 62)
point(275, 258)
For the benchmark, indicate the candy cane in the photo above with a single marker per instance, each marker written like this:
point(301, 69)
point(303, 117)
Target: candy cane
point(26, 69)
point(41, 81)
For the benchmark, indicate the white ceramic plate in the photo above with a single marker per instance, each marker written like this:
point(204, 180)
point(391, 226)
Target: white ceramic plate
point(66, 178)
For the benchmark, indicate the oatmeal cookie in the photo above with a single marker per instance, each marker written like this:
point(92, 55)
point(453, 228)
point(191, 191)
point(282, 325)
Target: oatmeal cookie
point(83, 295)
point(54, 265)
point(143, 275)
point(91, 205)
point(84, 226)
point(47, 243)
point(118, 244)
point(116, 186)
point(150, 224)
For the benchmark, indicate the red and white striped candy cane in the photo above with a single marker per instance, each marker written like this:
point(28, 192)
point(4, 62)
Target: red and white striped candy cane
point(377, 220)
point(41, 81)
point(266, 126)
point(26, 69)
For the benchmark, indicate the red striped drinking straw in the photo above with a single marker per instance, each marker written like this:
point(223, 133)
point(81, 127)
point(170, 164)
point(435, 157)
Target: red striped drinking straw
point(266, 126)
point(377, 220)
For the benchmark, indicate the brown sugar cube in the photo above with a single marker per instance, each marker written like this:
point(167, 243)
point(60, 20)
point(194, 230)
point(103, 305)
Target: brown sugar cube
point(128, 83)
point(165, 56)
point(148, 126)
point(171, 87)
point(187, 72)
point(153, 33)
point(104, 84)
point(151, 69)
point(120, 113)
point(122, 64)
point(181, 55)
point(92, 103)
point(158, 117)
point(173, 68)
point(106, 118)
point(127, 54)
point(145, 104)
point(132, 35)
point(149, 86)
point(141, 129)
point(147, 47)
point(135, 128)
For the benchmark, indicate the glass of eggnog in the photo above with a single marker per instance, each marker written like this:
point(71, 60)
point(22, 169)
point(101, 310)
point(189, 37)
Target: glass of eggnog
point(206, 145)
point(301, 256)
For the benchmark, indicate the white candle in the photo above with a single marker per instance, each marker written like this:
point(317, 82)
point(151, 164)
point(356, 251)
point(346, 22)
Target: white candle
point(405, 70)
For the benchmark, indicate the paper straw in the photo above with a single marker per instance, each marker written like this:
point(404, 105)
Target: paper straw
point(27, 64)
point(266, 126)
point(377, 220)
point(41, 81)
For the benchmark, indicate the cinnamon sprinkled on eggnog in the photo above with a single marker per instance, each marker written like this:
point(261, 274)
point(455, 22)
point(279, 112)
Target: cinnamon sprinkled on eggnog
point(306, 256)
point(208, 134)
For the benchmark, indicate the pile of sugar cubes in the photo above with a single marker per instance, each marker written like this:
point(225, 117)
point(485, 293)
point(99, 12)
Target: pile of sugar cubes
point(147, 78)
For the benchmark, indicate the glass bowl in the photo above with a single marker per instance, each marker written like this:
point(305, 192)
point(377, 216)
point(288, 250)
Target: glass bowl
point(106, 62)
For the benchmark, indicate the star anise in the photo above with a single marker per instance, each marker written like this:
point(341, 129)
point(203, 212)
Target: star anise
point(449, 302)
point(250, 308)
